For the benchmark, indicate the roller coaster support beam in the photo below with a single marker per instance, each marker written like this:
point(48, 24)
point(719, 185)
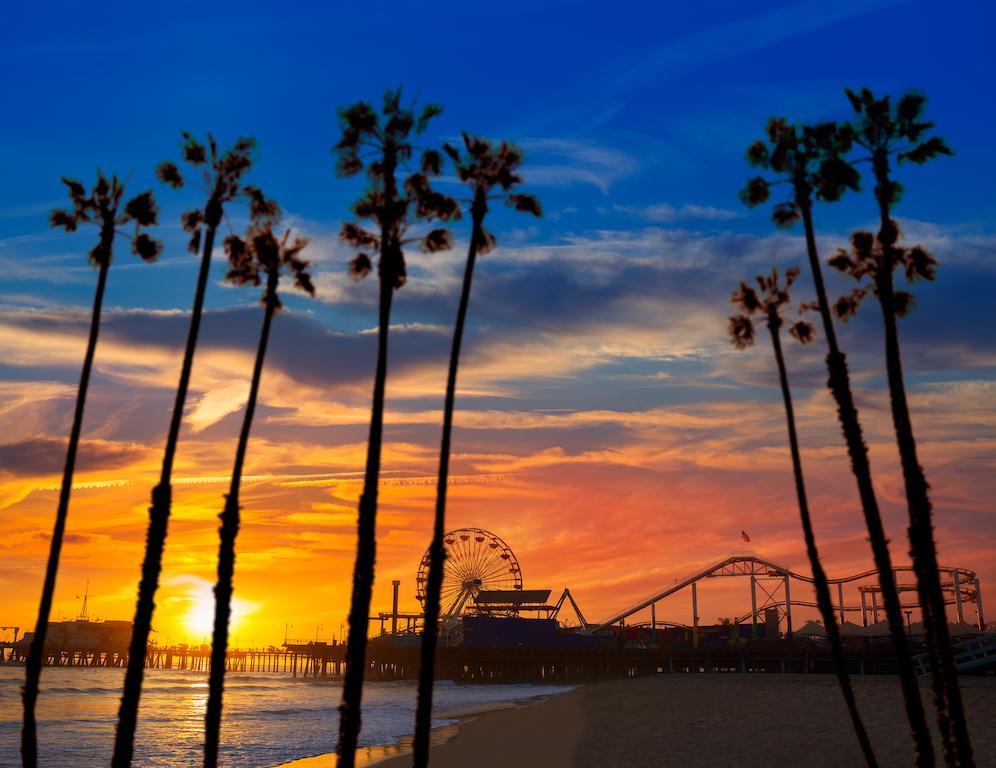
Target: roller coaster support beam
point(788, 609)
point(874, 607)
point(695, 615)
point(753, 605)
point(840, 602)
point(957, 591)
point(653, 623)
point(864, 611)
point(978, 604)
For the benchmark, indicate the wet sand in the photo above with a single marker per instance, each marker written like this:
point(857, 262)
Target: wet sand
point(692, 720)
point(708, 720)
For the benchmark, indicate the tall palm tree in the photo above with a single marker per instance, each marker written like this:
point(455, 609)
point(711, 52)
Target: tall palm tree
point(484, 168)
point(260, 253)
point(100, 207)
point(221, 173)
point(382, 143)
point(767, 303)
point(810, 160)
point(899, 131)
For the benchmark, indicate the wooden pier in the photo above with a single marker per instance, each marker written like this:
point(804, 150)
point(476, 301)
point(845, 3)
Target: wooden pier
point(296, 659)
point(392, 661)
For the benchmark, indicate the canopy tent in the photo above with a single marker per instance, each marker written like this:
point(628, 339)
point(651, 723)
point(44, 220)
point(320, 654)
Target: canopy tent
point(878, 629)
point(850, 629)
point(811, 629)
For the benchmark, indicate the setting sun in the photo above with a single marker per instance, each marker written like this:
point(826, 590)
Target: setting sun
point(198, 621)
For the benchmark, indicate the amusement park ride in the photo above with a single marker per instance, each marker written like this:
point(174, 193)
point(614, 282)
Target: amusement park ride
point(482, 577)
point(774, 582)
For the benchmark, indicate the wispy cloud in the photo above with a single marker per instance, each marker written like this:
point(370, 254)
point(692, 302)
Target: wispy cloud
point(562, 162)
point(745, 36)
point(665, 213)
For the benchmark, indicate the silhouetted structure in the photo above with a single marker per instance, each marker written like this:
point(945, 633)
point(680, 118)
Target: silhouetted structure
point(222, 174)
point(392, 209)
point(102, 207)
point(768, 303)
point(260, 253)
point(899, 133)
point(485, 168)
point(810, 160)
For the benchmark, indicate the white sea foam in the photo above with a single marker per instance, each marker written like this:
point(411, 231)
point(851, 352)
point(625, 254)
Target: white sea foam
point(268, 718)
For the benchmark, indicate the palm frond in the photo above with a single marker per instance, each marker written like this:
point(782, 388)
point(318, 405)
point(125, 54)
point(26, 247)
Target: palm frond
point(61, 219)
point(142, 209)
point(360, 266)
point(146, 248)
point(741, 330)
point(803, 332)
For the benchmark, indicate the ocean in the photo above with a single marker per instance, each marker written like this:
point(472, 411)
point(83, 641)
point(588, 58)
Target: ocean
point(269, 718)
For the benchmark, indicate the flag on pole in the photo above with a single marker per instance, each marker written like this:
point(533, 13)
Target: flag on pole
point(744, 536)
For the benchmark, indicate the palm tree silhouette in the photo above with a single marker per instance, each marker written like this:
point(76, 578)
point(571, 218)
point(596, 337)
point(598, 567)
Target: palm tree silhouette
point(484, 168)
point(383, 145)
point(101, 208)
point(810, 160)
point(221, 173)
point(886, 131)
point(260, 253)
point(767, 303)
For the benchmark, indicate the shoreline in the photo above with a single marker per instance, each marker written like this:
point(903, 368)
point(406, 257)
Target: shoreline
point(397, 753)
point(672, 720)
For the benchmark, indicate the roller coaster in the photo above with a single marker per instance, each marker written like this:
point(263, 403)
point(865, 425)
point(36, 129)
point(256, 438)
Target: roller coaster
point(961, 588)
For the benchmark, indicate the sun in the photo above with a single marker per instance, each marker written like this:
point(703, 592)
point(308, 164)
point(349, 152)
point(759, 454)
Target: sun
point(199, 617)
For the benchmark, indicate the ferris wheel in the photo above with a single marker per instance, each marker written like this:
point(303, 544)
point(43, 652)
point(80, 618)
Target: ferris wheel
point(476, 560)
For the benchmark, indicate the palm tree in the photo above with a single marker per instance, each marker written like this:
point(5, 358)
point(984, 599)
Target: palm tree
point(260, 252)
point(382, 144)
point(767, 303)
point(886, 131)
point(221, 173)
point(100, 208)
point(810, 160)
point(483, 169)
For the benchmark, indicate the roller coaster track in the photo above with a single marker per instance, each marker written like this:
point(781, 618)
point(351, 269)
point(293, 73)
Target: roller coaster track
point(963, 583)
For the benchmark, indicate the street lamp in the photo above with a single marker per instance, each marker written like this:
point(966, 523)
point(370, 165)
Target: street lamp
point(318, 629)
point(287, 625)
point(341, 626)
point(909, 626)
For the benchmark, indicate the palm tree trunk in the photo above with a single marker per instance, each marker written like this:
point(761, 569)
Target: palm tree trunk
point(36, 655)
point(840, 386)
point(226, 553)
point(950, 712)
point(923, 551)
point(819, 575)
point(434, 585)
point(366, 552)
point(124, 742)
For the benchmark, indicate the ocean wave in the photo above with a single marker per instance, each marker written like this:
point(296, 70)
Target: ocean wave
point(269, 718)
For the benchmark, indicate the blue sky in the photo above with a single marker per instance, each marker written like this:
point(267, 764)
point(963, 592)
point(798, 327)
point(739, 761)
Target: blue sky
point(634, 118)
point(632, 115)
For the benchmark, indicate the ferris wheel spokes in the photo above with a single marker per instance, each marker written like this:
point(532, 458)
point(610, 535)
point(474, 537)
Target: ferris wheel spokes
point(475, 560)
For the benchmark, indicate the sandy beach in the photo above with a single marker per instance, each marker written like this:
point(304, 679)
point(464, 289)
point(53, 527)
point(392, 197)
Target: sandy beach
point(692, 720)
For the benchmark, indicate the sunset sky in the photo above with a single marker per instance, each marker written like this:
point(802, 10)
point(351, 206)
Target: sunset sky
point(606, 429)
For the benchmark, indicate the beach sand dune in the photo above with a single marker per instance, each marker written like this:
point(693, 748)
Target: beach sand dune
point(705, 720)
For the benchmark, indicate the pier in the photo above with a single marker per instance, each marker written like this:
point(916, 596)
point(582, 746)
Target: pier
point(389, 661)
point(296, 659)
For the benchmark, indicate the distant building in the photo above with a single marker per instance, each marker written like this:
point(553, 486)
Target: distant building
point(84, 635)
